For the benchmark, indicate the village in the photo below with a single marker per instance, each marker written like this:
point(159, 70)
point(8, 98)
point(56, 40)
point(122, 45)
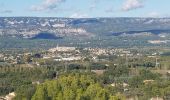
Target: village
point(64, 54)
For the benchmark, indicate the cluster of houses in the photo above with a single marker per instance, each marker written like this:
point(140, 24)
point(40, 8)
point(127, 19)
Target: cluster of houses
point(8, 58)
point(74, 54)
point(63, 54)
point(158, 41)
point(67, 54)
point(108, 51)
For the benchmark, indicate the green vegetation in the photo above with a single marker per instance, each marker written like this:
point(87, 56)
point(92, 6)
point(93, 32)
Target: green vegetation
point(73, 86)
point(108, 77)
point(42, 83)
point(11, 78)
point(128, 41)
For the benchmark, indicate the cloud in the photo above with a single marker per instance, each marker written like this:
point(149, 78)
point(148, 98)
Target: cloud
point(154, 14)
point(79, 15)
point(92, 7)
point(109, 10)
point(6, 11)
point(47, 5)
point(132, 4)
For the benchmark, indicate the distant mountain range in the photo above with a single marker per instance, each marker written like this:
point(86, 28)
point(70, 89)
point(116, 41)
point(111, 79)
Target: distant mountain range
point(42, 32)
point(31, 27)
point(155, 32)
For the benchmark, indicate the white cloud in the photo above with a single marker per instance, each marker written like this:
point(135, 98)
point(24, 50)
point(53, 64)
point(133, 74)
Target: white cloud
point(132, 4)
point(6, 11)
point(79, 15)
point(47, 5)
point(92, 7)
point(109, 10)
point(154, 14)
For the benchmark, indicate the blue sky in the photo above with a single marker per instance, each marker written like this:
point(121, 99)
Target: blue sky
point(85, 8)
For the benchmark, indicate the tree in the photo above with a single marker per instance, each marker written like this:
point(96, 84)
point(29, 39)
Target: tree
point(40, 94)
point(115, 72)
point(72, 87)
point(136, 81)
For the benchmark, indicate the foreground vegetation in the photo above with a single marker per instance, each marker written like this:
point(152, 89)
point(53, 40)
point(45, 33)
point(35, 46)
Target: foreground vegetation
point(40, 83)
point(73, 87)
point(110, 77)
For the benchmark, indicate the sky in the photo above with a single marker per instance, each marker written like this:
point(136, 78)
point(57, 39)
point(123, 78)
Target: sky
point(84, 8)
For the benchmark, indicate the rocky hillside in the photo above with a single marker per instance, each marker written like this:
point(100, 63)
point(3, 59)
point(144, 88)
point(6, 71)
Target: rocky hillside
point(29, 27)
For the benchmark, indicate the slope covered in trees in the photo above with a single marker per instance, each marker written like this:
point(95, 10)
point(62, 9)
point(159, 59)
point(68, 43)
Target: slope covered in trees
point(72, 87)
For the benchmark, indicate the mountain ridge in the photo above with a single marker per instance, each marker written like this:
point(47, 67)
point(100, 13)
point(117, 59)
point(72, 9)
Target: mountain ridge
point(28, 27)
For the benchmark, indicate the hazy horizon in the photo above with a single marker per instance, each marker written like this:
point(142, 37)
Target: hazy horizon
point(85, 8)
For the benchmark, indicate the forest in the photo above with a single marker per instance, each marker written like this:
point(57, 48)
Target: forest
point(116, 83)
